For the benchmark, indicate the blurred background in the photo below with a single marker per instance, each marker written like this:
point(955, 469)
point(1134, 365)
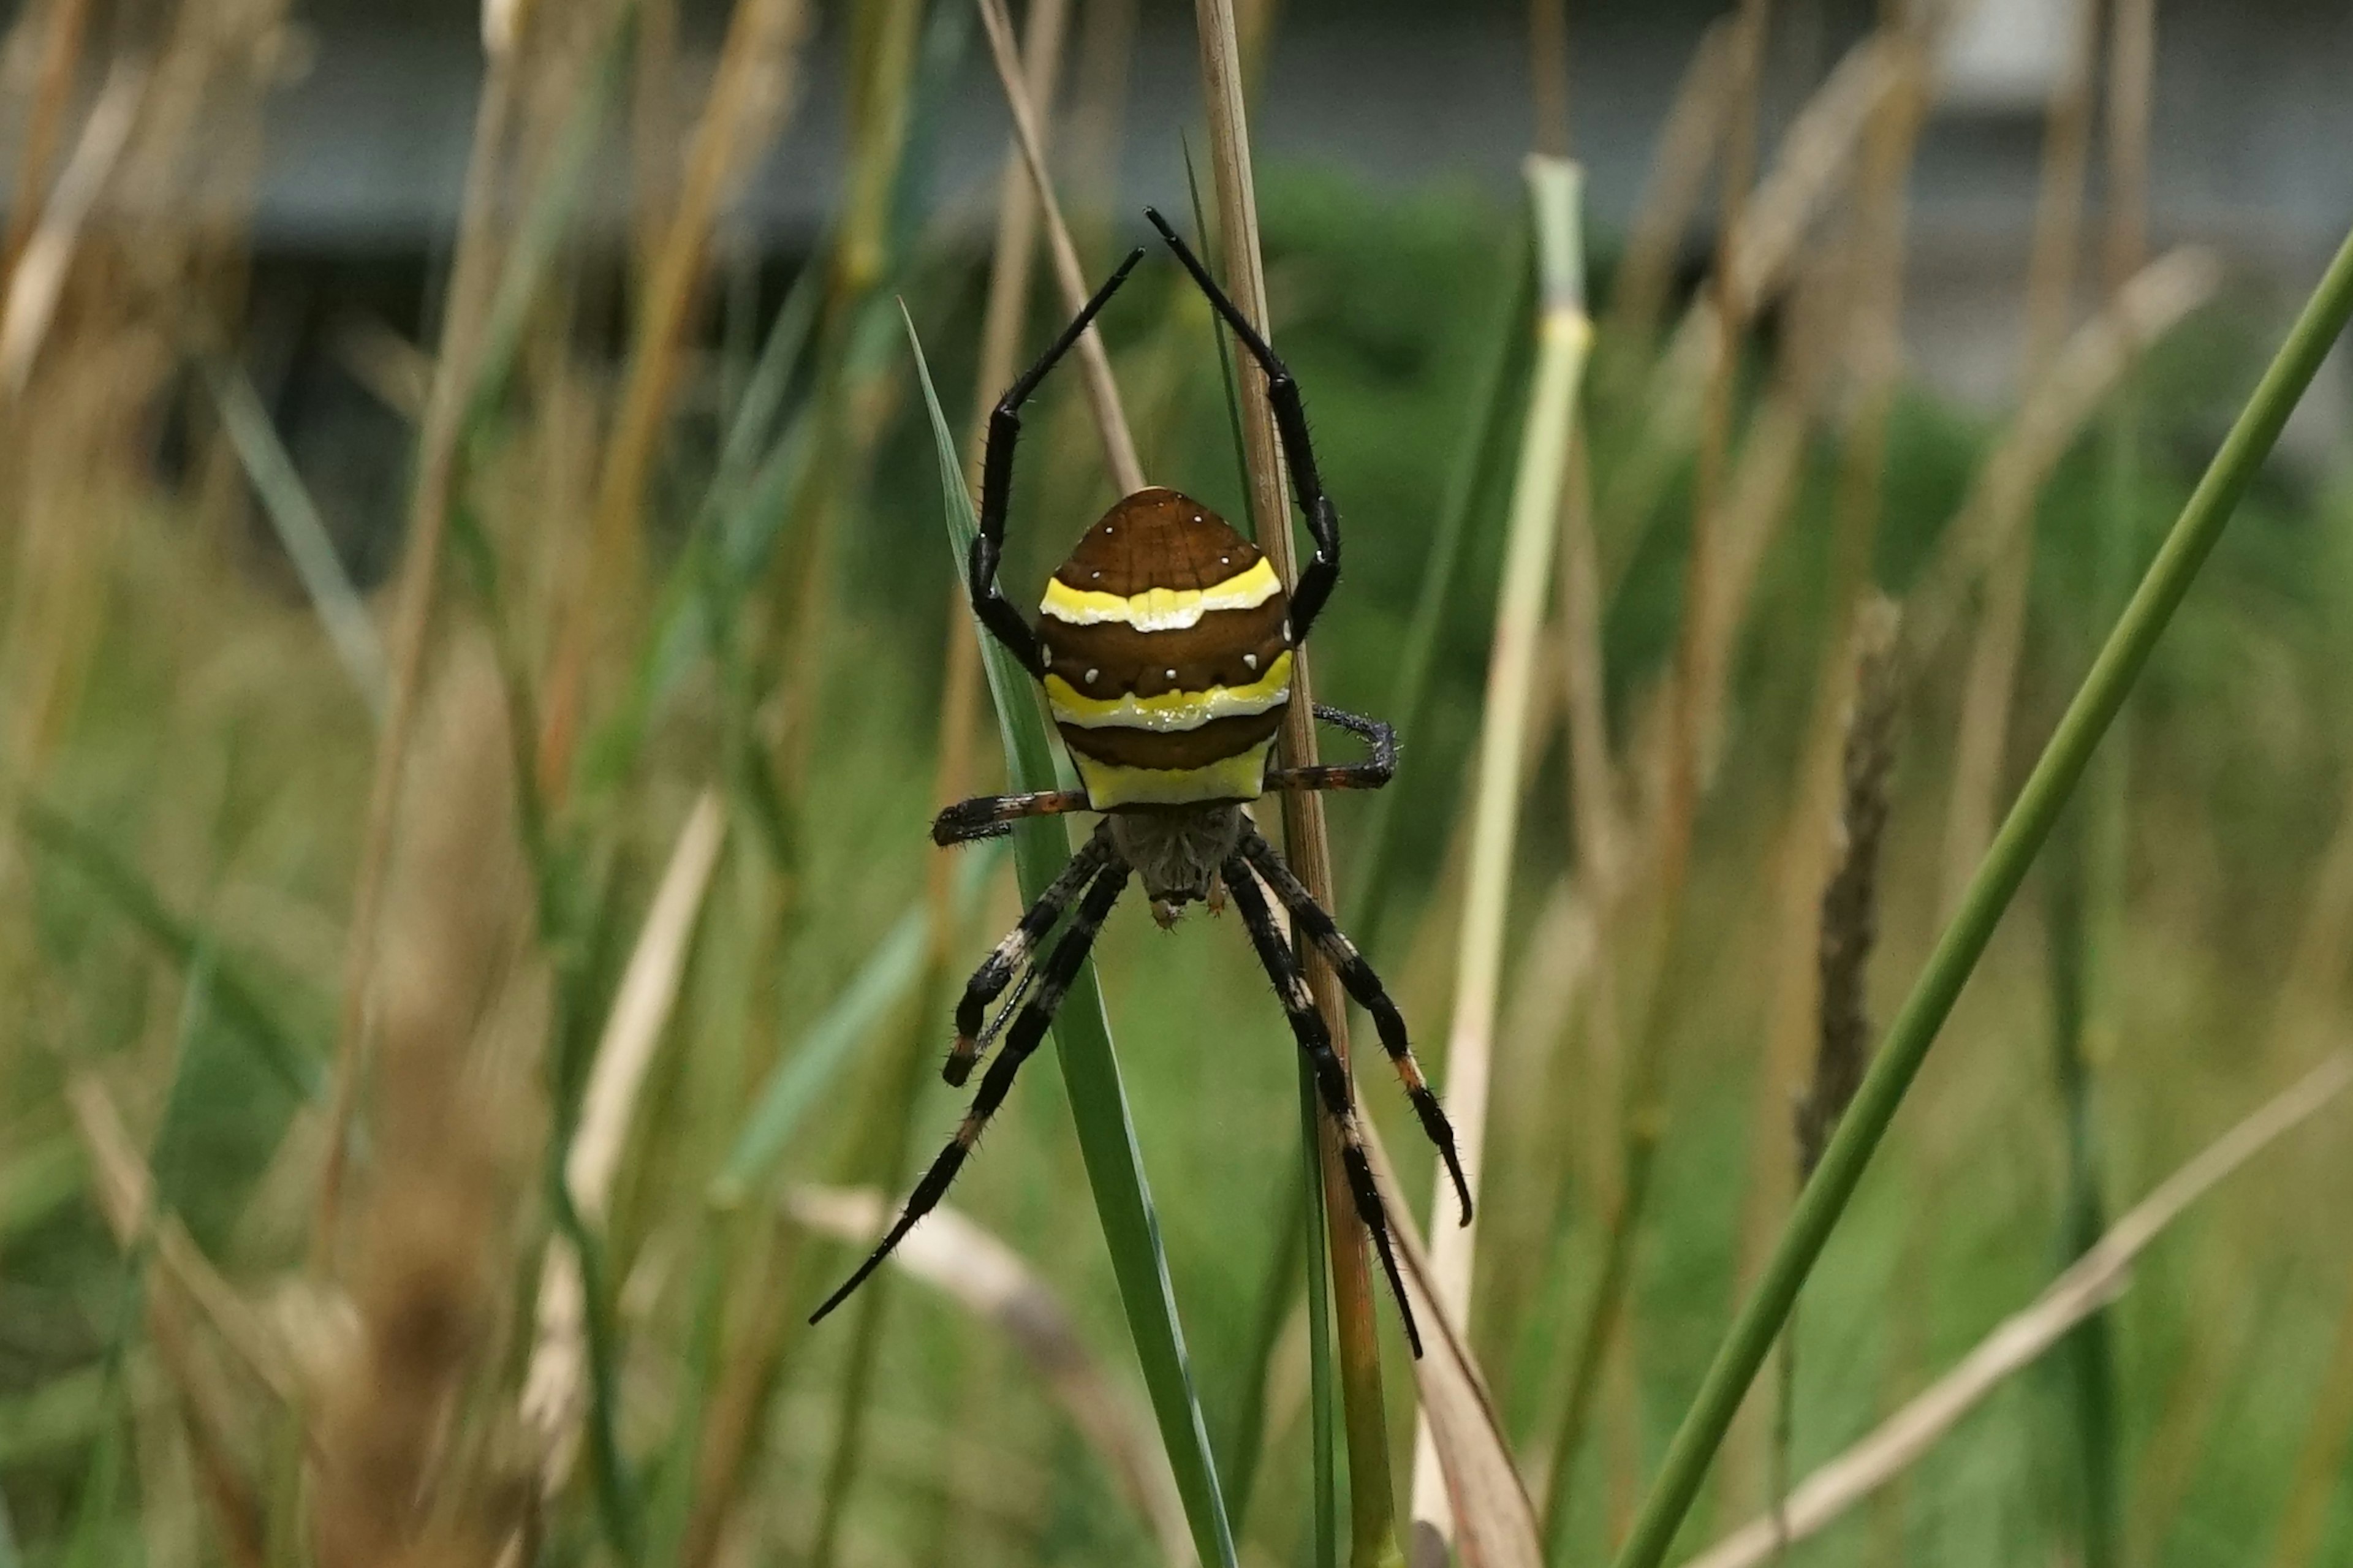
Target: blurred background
point(480, 654)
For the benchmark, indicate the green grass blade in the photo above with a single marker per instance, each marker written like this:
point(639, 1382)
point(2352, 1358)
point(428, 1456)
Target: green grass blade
point(1995, 883)
point(1090, 1070)
point(802, 1078)
point(232, 998)
point(287, 503)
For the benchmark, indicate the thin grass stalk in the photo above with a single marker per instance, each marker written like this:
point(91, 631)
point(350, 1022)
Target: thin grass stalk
point(1498, 385)
point(1001, 324)
point(1688, 142)
point(2085, 1289)
point(1082, 1047)
point(2045, 794)
point(63, 24)
point(750, 90)
point(473, 276)
point(1094, 364)
point(1992, 678)
point(1563, 334)
point(1372, 1531)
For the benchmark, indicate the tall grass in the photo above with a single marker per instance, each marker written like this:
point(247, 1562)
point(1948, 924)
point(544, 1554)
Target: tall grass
point(462, 1020)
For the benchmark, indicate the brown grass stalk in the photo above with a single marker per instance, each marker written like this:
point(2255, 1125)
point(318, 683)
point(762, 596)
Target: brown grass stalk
point(38, 280)
point(1670, 196)
point(1094, 365)
point(473, 275)
point(1372, 1530)
point(63, 24)
point(2082, 374)
point(2092, 1282)
point(554, 1390)
point(1987, 689)
point(950, 1253)
point(751, 93)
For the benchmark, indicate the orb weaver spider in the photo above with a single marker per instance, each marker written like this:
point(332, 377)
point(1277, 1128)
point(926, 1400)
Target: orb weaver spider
point(1165, 646)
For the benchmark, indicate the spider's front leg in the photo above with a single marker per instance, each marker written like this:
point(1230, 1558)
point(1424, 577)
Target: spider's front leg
point(990, 816)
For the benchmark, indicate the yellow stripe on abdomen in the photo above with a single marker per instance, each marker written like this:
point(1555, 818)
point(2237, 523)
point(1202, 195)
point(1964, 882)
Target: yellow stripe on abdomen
point(1161, 609)
point(1169, 711)
point(1242, 776)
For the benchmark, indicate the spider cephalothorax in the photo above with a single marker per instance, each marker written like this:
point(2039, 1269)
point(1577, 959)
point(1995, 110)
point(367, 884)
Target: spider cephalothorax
point(1165, 644)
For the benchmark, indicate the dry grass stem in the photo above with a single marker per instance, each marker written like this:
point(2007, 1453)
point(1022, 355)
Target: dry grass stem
point(1495, 1524)
point(554, 1395)
point(966, 1263)
point(38, 279)
point(1671, 194)
point(458, 994)
point(1094, 365)
point(1564, 333)
point(2092, 1282)
point(750, 95)
point(62, 24)
point(473, 275)
point(2082, 374)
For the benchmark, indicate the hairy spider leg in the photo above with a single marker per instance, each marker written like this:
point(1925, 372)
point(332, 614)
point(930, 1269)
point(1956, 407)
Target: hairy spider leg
point(992, 815)
point(998, 970)
point(996, 612)
point(1053, 982)
point(1365, 986)
point(1315, 584)
point(1373, 772)
point(1331, 1075)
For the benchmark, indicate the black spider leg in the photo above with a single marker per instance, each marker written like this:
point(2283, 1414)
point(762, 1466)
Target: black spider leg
point(993, 816)
point(1371, 774)
point(998, 970)
point(1291, 423)
point(1365, 986)
point(1003, 621)
point(1054, 981)
point(1281, 967)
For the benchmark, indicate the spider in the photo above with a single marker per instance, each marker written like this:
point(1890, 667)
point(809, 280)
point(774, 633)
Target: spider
point(1165, 646)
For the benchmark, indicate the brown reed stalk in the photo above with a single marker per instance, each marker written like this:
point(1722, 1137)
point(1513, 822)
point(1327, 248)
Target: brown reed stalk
point(1987, 689)
point(457, 994)
point(1094, 364)
point(1372, 1519)
point(473, 277)
point(751, 93)
point(1672, 195)
point(63, 24)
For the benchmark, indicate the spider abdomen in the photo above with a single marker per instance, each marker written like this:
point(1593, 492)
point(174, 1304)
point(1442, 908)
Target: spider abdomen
point(1166, 637)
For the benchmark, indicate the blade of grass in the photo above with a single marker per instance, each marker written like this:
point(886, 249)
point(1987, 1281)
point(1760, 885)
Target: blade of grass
point(1090, 1070)
point(2086, 1287)
point(1564, 333)
point(287, 503)
point(2045, 792)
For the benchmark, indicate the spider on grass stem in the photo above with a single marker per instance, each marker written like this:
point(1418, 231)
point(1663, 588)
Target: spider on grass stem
point(1164, 647)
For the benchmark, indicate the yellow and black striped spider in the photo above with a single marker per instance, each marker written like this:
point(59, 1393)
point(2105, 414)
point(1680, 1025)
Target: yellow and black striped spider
point(1165, 646)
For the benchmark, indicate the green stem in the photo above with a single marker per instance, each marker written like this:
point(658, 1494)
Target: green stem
point(1996, 880)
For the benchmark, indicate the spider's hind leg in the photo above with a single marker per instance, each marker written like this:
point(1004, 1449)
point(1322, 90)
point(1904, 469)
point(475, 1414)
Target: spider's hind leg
point(1365, 986)
point(998, 970)
point(1275, 956)
point(1053, 980)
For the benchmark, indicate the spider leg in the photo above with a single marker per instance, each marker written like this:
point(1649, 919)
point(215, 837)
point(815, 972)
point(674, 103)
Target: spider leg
point(996, 613)
point(988, 815)
point(1054, 979)
point(1365, 986)
point(1371, 774)
point(1281, 967)
point(998, 970)
point(1291, 423)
